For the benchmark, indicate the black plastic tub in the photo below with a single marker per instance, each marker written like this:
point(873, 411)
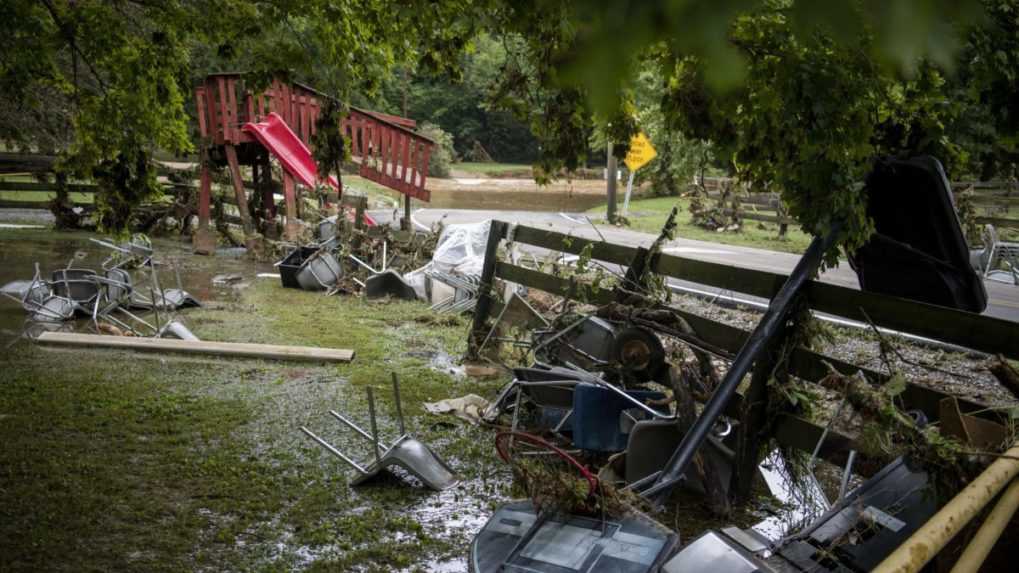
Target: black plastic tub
point(291, 263)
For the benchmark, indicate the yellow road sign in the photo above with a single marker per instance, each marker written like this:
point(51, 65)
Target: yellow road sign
point(641, 151)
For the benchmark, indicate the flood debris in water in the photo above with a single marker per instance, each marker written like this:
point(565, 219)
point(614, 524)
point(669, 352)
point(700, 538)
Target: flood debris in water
point(111, 300)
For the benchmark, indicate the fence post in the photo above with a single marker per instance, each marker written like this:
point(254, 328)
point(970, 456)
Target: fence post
point(634, 278)
point(610, 175)
point(204, 241)
point(483, 309)
point(752, 428)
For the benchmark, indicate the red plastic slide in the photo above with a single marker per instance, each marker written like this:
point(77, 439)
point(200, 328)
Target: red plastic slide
point(293, 154)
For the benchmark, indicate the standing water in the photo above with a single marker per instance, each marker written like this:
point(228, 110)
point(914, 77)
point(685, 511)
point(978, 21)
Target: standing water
point(22, 249)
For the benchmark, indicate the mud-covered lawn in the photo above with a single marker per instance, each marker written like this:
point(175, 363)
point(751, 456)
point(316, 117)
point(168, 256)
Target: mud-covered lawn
point(120, 461)
point(113, 460)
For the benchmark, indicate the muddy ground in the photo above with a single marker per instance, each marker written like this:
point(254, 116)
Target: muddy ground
point(112, 460)
point(119, 461)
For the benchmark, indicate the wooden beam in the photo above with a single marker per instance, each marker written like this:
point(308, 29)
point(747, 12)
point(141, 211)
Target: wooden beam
point(42, 187)
point(236, 349)
point(239, 193)
point(998, 221)
point(483, 309)
point(26, 163)
point(568, 288)
point(5, 204)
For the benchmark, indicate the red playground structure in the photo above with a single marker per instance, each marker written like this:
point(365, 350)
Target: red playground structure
point(240, 127)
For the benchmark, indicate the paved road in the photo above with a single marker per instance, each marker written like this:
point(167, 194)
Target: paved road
point(1003, 299)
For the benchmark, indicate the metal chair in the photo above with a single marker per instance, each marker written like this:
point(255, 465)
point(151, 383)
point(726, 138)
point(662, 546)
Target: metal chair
point(998, 253)
point(405, 452)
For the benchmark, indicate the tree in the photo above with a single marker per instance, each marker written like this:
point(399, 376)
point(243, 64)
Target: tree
point(794, 95)
point(119, 72)
point(798, 97)
point(461, 108)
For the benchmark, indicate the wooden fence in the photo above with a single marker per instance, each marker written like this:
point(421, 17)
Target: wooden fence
point(995, 202)
point(763, 207)
point(982, 333)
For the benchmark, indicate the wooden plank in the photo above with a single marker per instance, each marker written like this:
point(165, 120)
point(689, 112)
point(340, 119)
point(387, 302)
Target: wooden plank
point(555, 241)
point(239, 349)
point(752, 199)
point(966, 329)
point(210, 107)
point(803, 435)
point(203, 129)
point(239, 193)
point(995, 199)
point(5, 204)
point(305, 127)
point(569, 288)
point(26, 163)
point(998, 221)
point(983, 333)
point(224, 112)
point(407, 169)
point(763, 217)
point(41, 187)
point(232, 123)
point(483, 309)
point(420, 191)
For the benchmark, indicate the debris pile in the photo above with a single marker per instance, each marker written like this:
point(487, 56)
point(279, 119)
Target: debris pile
point(618, 409)
point(442, 266)
point(114, 299)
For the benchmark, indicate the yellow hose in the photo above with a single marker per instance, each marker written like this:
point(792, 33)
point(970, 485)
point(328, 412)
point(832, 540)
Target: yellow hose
point(988, 534)
point(932, 537)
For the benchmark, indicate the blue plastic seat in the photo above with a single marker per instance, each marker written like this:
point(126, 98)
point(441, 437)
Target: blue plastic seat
point(597, 417)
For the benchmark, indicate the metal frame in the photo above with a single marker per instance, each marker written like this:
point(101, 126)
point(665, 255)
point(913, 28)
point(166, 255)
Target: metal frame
point(405, 451)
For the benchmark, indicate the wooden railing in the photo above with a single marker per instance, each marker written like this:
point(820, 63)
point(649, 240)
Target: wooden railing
point(996, 202)
point(388, 150)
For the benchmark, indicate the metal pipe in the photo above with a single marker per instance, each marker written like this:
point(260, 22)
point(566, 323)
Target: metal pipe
point(982, 543)
point(374, 425)
point(756, 345)
point(176, 271)
point(932, 537)
point(350, 424)
point(399, 407)
point(363, 264)
point(333, 450)
point(846, 474)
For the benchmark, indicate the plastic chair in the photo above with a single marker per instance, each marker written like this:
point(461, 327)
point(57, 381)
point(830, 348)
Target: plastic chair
point(602, 417)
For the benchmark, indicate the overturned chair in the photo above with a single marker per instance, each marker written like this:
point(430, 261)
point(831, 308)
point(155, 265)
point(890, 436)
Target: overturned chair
point(406, 452)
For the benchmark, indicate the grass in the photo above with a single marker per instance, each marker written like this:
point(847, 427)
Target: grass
point(494, 169)
point(114, 461)
point(649, 215)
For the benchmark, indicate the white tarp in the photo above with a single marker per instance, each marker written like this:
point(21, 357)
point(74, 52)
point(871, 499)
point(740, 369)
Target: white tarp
point(460, 250)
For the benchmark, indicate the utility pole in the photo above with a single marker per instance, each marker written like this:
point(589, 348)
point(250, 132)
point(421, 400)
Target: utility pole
point(406, 224)
point(611, 171)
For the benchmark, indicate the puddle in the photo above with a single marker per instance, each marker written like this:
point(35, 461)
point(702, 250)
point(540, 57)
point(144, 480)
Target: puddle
point(441, 362)
point(54, 250)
